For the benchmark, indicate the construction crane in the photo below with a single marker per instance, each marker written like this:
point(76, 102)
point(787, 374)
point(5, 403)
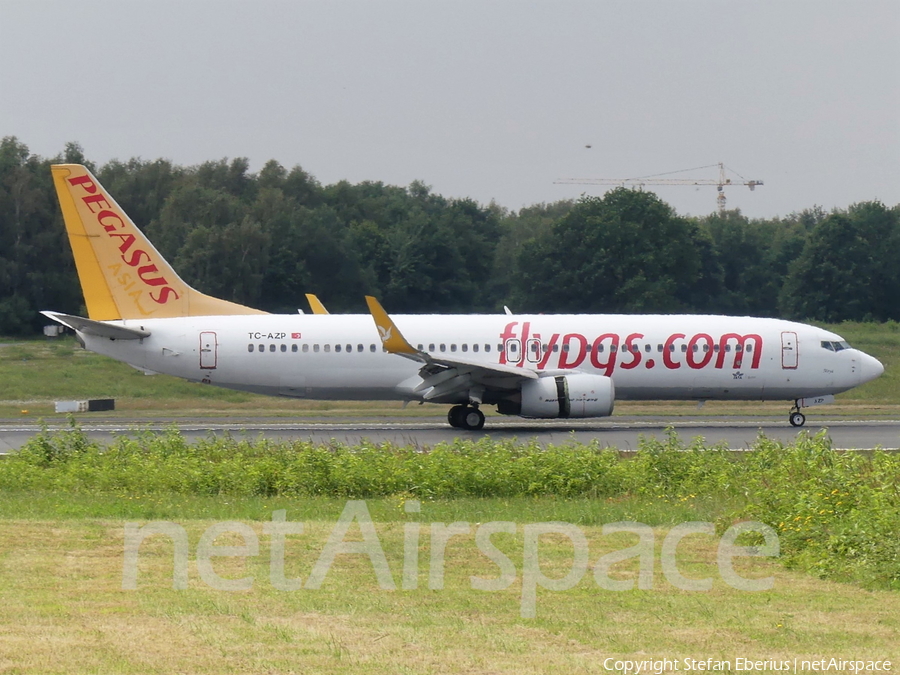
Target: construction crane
point(656, 179)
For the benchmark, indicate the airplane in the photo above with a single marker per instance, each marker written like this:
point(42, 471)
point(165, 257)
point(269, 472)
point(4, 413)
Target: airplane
point(543, 366)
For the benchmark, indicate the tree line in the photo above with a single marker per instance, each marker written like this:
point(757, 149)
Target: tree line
point(264, 239)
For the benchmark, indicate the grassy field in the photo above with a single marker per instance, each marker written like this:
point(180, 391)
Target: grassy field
point(36, 373)
point(63, 608)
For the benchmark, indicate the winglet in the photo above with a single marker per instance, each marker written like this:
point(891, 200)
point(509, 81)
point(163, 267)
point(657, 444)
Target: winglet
point(315, 304)
point(390, 335)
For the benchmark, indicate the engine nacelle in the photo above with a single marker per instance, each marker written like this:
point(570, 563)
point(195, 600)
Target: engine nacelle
point(576, 395)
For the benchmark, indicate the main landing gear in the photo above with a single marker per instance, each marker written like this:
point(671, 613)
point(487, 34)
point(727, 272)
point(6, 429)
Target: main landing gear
point(797, 418)
point(465, 417)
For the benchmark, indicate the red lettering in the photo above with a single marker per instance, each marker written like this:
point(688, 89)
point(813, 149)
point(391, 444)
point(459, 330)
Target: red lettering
point(668, 350)
point(103, 215)
point(135, 258)
point(567, 351)
point(610, 364)
point(707, 355)
point(504, 336)
point(546, 357)
point(739, 349)
point(149, 269)
point(127, 241)
point(164, 295)
point(94, 199)
point(635, 353)
point(525, 328)
point(85, 183)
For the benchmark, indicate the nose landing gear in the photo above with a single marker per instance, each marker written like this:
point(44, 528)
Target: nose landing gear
point(465, 417)
point(796, 418)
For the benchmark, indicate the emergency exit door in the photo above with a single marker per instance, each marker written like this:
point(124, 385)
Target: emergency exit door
point(789, 352)
point(208, 350)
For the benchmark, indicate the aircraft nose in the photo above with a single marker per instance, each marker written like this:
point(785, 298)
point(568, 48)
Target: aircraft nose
point(870, 368)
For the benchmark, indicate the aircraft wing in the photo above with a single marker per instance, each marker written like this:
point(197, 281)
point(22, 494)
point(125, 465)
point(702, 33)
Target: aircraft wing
point(97, 328)
point(443, 375)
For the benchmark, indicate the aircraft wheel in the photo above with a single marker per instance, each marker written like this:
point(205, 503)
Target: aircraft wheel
point(454, 416)
point(472, 419)
point(798, 419)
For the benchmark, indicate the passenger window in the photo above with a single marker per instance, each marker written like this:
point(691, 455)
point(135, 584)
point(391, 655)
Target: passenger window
point(659, 348)
point(305, 348)
point(600, 348)
point(695, 348)
point(337, 348)
point(715, 348)
point(443, 348)
point(465, 347)
point(727, 348)
point(749, 348)
point(431, 347)
point(372, 348)
point(419, 347)
point(566, 347)
point(294, 348)
point(624, 348)
point(635, 348)
point(271, 348)
point(647, 347)
point(684, 348)
point(475, 347)
point(327, 348)
point(249, 348)
point(315, 348)
point(284, 348)
point(672, 348)
point(262, 348)
point(349, 348)
point(487, 348)
point(452, 348)
point(359, 348)
point(555, 348)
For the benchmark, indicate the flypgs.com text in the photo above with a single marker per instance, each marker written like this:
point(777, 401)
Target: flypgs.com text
point(608, 351)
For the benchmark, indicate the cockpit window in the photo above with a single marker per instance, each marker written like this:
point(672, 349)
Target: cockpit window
point(835, 346)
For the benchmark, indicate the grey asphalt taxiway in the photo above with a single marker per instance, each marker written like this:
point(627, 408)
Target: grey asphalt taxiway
point(624, 433)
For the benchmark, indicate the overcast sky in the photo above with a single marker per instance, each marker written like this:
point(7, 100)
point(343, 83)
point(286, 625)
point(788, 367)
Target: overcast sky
point(489, 100)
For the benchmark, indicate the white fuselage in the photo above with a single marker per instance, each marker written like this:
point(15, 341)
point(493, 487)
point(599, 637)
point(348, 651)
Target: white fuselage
point(647, 356)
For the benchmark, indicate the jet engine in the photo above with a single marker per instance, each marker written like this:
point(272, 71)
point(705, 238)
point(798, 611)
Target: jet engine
point(576, 395)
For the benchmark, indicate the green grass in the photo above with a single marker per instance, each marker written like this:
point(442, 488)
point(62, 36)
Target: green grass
point(64, 502)
point(836, 513)
point(63, 609)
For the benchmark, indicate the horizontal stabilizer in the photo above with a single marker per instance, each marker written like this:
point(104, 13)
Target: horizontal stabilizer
point(97, 328)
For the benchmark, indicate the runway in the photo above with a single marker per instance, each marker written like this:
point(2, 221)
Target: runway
point(624, 433)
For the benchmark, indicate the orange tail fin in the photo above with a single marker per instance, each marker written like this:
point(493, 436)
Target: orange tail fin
point(122, 275)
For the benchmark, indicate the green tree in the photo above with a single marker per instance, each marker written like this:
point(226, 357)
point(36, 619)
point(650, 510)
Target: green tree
point(625, 252)
point(848, 268)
